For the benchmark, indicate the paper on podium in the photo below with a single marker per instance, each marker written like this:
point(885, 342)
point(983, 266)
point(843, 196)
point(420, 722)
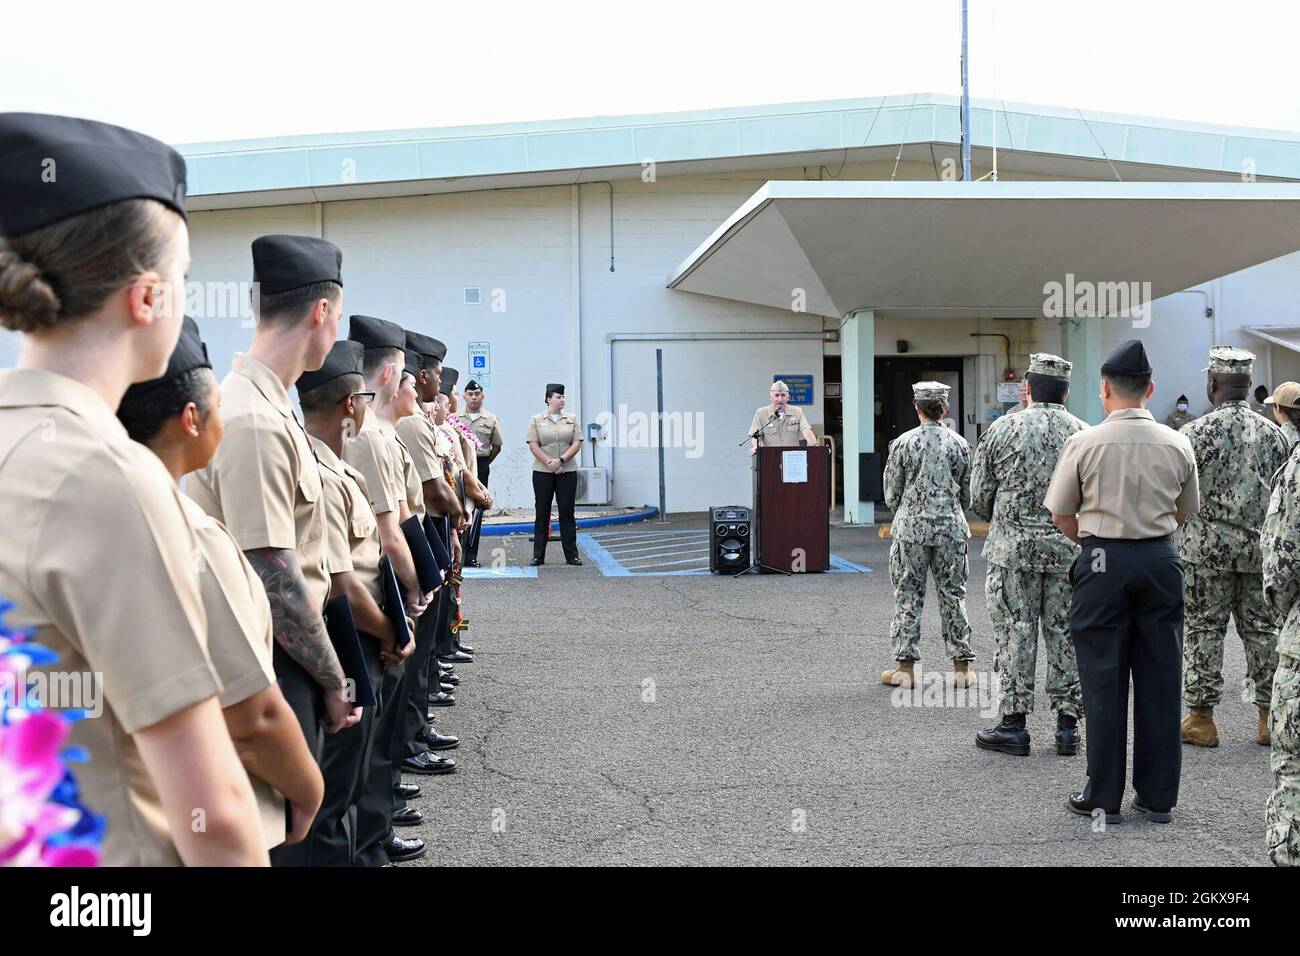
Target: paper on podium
point(794, 466)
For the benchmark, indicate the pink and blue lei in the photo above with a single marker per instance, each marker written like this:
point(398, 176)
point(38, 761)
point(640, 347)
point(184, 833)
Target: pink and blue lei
point(42, 819)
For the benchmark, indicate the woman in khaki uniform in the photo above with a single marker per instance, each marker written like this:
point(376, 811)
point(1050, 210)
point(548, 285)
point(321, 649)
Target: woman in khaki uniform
point(555, 439)
point(96, 554)
point(178, 418)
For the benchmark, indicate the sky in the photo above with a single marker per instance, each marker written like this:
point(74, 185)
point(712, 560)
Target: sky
point(204, 71)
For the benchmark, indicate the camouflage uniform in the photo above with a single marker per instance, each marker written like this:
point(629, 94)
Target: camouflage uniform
point(1029, 560)
point(1291, 434)
point(1281, 577)
point(1237, 454)
point(927, 485)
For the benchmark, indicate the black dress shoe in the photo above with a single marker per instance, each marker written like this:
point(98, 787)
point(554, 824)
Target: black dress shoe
point(406, 791)
point(1067, 735)
point(441, 699)
point(446, 669)
point(428, 764)
point(1085, 808)
point(464, 648)
point(537, 561)
point(576, 562)
point(448, 678)
point(407, 817)
point(471, 563)
point(399, 850)
point(436, 741)
point(456, 657)
point(443, 688)
point(1154, 814)
point(1009, 736)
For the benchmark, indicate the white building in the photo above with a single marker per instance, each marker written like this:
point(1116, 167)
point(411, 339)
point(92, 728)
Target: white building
point(572, 249)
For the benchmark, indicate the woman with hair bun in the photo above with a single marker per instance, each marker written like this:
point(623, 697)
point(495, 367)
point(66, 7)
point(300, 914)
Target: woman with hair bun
point(97, 555)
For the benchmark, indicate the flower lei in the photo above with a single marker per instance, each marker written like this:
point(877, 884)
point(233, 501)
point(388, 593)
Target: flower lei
point(42, 819)
point(465, 430)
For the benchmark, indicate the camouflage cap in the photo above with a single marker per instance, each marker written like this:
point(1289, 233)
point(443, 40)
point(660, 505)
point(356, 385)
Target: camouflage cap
point(1045, 363)
point(1229, 360)
point(1286, 395)
point(929, 392)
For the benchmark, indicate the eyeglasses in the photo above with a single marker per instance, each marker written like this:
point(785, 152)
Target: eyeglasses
point(368, 396)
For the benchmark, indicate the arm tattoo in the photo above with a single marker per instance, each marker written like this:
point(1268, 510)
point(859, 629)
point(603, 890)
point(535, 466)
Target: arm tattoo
point(298, 627)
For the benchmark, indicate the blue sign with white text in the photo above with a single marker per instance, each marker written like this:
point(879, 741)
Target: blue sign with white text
point(801, 388)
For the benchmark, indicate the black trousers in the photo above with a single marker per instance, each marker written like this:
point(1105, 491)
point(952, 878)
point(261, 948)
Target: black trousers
point(1126, 618)
point(415, 693)
point(344, 762)
point(304, 697)
point(564, 489)
point(377, 803)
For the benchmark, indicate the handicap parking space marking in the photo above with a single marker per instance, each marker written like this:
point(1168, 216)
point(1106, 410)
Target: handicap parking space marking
point(505, 571)
point(660, 553)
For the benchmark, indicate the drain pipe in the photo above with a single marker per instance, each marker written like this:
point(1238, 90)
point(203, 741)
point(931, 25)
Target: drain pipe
point(821, 335)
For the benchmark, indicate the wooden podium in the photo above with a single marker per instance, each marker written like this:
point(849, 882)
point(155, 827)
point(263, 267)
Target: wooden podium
point(792, 509)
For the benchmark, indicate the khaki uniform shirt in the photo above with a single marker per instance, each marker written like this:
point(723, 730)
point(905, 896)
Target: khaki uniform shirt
point(374, 452)
point(1125, 478)
point(554, 438)
point(487, 428)
point(100, 564)
point(352, 538)
point(239, 638)
point(427, 452)
point(264, 483)
point(785, 432)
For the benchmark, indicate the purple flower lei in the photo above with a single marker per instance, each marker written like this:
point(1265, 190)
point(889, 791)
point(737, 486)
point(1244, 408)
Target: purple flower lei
point(42, 819)
point(465, 430)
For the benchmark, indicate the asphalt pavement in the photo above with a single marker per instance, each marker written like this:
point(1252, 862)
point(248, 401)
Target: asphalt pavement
point(682, 718)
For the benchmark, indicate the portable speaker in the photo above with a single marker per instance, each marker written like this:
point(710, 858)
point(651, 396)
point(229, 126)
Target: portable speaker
point(729, 528)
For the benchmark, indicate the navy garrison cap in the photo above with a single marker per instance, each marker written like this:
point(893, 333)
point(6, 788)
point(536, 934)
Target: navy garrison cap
point(554, 388)
point(1129, 358)
point(473, 386)
point(190, 353)
point(53, 167)
point(344, 358)
point(414, 363)
point(375, 333)
point(284, 263)
point(449, 378)
point(426, 345)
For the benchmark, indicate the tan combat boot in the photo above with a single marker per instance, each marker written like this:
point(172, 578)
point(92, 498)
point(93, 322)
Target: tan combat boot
point(900, 676)
point(1199, 729)
point(962, 675)
point(1262, 736)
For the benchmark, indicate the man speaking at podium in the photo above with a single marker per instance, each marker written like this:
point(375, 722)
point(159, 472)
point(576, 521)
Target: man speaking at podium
point(780, 424)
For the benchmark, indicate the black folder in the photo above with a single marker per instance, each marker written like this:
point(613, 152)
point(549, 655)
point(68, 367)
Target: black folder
point(426, 564)
point(394, 606)
point(347, 644)
point(437, 541)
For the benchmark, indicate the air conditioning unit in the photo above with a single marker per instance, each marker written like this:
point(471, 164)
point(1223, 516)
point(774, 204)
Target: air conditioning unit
point(593, 486)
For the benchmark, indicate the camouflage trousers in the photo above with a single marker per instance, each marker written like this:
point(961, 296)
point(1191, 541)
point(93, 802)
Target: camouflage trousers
point(1282, 813)
point(1211, 597)
point(1020, 603)
point(909, 565)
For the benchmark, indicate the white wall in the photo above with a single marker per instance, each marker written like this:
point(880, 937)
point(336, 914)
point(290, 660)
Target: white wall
point(547, 252)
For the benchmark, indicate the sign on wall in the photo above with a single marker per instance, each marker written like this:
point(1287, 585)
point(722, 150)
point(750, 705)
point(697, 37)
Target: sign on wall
point(480, 362)
point(801, 387)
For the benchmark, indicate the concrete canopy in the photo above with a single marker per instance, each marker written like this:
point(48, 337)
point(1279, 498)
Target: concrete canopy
point(983, 249)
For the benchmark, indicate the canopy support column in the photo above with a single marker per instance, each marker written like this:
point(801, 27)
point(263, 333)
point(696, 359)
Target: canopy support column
point(858, 364)
point(1081, 344)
